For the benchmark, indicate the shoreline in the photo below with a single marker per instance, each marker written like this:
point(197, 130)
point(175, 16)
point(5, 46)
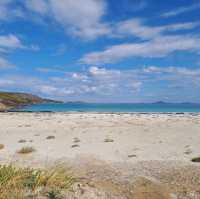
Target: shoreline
point(102, 112)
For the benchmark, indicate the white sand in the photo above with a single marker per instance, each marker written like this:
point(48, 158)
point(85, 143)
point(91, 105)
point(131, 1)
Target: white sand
point(153, 152)
point(136, 137)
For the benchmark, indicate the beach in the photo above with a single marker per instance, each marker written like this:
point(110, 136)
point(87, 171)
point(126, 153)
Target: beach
point(124, 148)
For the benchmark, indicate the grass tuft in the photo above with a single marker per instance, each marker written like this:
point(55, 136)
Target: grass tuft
point(26, 150)
point(20, 182)
point(76, 140)
point(197, 159)
point(50, 137)
point(108, 140)
point(22, 141)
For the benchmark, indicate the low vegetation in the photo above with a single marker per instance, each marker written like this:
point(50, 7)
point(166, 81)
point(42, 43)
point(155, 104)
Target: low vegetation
point(76, 140)
point(197, 159)
point(75, 145)
point(1, 146)
point(26, 150)
point(24, 183)
point(50, 137)
point(108, 140)
point(10, 100)
point(22, 141)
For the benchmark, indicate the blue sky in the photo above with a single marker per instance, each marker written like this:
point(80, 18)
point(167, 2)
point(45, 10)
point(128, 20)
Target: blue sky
point(101, 50)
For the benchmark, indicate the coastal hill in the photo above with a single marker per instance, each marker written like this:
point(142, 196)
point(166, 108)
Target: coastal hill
point(9, 100)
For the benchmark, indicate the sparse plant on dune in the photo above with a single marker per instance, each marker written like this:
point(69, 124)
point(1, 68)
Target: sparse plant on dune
point(197, 159)
point(26, 150)
point(50, 137)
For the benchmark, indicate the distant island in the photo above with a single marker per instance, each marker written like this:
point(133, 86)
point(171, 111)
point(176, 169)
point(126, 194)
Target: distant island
point(10, 100)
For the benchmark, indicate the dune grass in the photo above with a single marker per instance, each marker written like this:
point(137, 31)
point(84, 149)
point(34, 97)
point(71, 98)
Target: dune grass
point(26, 150)
point(22, 183)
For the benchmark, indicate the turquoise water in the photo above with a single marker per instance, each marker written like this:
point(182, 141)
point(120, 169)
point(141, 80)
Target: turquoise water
point(102, 107)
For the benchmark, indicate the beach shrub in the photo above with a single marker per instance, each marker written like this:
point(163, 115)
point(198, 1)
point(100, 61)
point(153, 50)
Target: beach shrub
point(26, 150)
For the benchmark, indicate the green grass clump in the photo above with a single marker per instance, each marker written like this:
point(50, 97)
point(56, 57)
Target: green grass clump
point(26, 150)
point(197, 159)
point(18, 183)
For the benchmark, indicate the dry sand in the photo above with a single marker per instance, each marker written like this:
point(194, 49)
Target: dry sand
point(128, 155)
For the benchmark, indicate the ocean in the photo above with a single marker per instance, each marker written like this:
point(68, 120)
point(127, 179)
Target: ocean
point(113, 107)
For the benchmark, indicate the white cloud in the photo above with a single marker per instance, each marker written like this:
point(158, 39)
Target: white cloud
point(158, 47)
point(5, 64)
point(181, 10)
point(4, 9)
point(39, 6)
point(85, 18)
point(7, 12)
point(10, 42)
point(136, 27)
point(82, 18)
point(121, 85)
point(136, 85)
point(102, 72)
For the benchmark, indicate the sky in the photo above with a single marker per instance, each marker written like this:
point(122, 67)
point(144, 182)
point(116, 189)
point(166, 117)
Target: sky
point(101, 50)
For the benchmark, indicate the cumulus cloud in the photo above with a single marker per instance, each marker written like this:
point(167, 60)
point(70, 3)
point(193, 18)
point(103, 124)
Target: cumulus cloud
point(82, 18)
point(85, 18)
point(113, 85)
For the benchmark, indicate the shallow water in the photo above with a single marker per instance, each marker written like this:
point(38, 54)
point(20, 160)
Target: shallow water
point(110, 107)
